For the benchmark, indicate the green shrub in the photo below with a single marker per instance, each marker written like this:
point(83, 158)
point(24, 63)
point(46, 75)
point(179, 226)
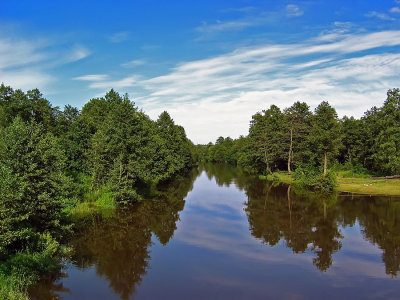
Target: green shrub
point(315, 179)
point(22, 270)
point(354, 170)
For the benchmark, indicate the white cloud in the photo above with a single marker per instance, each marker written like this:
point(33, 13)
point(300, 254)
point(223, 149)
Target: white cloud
point(77, 53)
point(129, 81)
point(293, 10)
point(133, 63)
point(251, 19)
point(382, 16)
point(119, 37)
point(94, 77)
point(217, 96)
point(395, 9)
point(224, 26)
point(28, 63)
point(18, 63)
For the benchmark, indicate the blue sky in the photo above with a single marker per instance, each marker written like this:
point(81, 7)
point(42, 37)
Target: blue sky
point(211, 64)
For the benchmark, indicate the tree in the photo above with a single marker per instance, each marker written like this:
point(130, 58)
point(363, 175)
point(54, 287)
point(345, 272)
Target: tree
point(266, 137)
point(325, 134)
point(387, 142)
point(32, 183)
point(352, 140)
point(297, 119)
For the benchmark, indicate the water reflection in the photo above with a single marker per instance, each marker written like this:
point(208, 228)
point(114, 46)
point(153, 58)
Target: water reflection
point(309, 221)
point(235, 236)
point(118, 245)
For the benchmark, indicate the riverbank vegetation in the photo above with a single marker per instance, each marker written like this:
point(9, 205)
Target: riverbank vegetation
point(314, 147)
point(58, 165)
point(54, 162)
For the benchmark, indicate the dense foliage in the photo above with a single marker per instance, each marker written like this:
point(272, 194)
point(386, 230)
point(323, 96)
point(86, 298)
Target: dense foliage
point(52, 159)
point(315, 141)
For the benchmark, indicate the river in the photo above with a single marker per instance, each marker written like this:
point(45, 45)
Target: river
point(218, 233)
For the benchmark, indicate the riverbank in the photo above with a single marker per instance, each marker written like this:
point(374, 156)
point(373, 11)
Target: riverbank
point(365, 186)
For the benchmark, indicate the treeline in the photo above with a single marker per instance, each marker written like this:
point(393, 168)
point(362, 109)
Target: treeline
point(299, 139)
point(52, 159)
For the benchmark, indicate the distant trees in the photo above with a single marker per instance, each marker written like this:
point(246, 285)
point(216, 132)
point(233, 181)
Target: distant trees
point(315, 140)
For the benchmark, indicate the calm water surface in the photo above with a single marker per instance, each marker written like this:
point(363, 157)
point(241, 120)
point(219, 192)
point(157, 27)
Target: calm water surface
point(219, 234)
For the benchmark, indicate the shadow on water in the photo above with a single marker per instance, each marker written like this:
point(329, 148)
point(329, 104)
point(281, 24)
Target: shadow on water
point(117, 247)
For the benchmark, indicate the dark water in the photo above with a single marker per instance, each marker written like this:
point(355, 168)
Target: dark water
point(219, 234)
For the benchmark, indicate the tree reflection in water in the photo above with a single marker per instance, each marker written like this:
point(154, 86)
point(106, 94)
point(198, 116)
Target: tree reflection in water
point(307, 221)
point(117, 246)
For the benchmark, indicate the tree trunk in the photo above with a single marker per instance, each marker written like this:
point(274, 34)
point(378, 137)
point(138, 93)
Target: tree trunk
point(325, 162)
point(290, 152)
point(349, 154)
point(266, 160)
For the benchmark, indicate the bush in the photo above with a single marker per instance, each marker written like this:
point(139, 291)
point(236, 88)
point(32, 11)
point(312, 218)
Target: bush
point(315, 179)
point(22, 270)
point(356, 170)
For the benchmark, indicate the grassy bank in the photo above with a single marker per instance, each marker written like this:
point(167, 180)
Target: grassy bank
point(369, 186)
point(21, 270)
point(351, 184)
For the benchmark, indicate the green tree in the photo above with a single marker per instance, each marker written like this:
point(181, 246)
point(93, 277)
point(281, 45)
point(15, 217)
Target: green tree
point(387, 143)
point(297, 119)
point(266, 137)
point(325, 134)
point(32, 184)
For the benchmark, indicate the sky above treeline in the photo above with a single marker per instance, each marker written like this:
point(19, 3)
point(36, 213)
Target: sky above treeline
point(210, 64)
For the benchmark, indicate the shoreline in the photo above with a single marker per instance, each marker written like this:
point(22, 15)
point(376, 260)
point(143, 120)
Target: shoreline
point(362, 186)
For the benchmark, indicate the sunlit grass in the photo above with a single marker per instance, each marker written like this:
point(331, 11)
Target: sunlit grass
point(359, 184)
point(369, 186)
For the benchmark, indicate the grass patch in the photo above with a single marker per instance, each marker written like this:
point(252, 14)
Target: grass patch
point(358, 184)
point(278, 176)
point(22, 270)
point(369, 186)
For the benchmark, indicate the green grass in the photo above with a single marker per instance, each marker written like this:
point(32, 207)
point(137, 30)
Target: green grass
point(101, 200)
point(12, 288)
point(369, 186)
point(22, 270)
point(279, 176)
point(359, 183)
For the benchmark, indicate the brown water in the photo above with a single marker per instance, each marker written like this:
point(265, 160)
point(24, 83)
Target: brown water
point(220, 234)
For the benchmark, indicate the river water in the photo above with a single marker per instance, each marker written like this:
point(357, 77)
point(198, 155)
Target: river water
point(218, 233)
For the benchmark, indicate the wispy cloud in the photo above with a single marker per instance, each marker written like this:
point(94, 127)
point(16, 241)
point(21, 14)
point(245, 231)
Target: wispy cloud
point(78, 52)
point(293, 10)
point(224, 26)
point(119, 37)
point(94, 77)
point(218, 95)
point(379, 15)
point(250, 19)
point(19, 61)
point(395, 9)
point(133, 63)
point(129, 81)
point(29, 63)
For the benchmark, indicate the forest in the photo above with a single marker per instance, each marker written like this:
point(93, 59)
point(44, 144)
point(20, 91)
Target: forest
point(54, 163)
point(312, 145)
